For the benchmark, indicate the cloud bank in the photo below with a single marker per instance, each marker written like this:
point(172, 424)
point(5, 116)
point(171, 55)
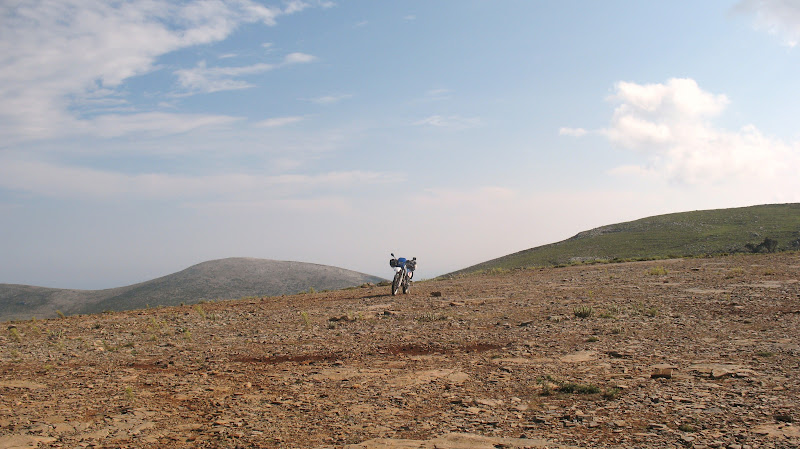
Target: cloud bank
point(56, 181)
point(672, 125)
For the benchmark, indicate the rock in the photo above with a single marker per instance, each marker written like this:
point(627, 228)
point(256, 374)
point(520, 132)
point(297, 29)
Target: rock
point(580, 356)
point(662, 371)
point(24, 441)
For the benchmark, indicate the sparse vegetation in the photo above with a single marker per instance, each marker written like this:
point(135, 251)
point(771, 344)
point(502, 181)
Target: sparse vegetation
point(60, 314)
point(129, 394)
point(609, 313)
point(306, 319)
point(55, 335)
point(657, 271)
point(646, 310)
point(200, 311)
point(431, 316)
point(735, 272)
point(495, 271)
point(14, 335)
point(583, 311)
point(611, 393)
point(550, 386)
point(578, 388)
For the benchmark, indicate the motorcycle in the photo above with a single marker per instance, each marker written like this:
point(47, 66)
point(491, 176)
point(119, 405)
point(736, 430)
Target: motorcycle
point(404, 271)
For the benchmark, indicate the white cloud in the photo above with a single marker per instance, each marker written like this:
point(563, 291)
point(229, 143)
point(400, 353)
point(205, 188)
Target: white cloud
point(452, 121)
point(53, 52)
point(294, 6)
point(58, 181)
point(214, 79)
point(154, 123)
point(279, 121)
point(777, 17)
point(574, 132)
point(299, 58)
point(203, 79)
point(671, 124)
point(331, 99)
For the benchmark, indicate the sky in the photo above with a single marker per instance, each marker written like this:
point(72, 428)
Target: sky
point(140, 137)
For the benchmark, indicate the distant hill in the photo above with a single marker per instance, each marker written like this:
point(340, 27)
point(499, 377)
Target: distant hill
point(671, 235)
point(217, 279)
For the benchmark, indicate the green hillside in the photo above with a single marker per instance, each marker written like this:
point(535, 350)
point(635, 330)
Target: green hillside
point(673, 235)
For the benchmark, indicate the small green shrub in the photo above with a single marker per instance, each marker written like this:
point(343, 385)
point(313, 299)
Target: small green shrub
point(577, 388)
point(583, 311)
point(199, 309)
point(611, 393)
point(431, 316)
point(646, 310)
point(14, 334)
point(610, 313)
point(130, 396)
point(60, 314)
point(657, 271)
point(734, 272)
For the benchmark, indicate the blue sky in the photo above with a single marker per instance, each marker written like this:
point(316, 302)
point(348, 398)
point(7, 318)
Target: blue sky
point(140, 137)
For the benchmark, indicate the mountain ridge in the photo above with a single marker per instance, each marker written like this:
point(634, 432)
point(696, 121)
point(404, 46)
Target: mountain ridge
point(228, 278)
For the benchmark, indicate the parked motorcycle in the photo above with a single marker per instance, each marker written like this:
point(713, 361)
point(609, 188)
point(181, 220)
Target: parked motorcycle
point(404, 271)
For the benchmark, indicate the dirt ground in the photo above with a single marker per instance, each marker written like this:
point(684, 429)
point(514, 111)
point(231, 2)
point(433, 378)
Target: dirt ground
point(665, 354)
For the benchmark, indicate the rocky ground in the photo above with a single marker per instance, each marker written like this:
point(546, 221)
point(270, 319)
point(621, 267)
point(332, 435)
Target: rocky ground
point(676, 353)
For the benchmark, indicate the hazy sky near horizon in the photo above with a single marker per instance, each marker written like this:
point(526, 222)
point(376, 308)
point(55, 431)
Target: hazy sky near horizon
point(139, 137)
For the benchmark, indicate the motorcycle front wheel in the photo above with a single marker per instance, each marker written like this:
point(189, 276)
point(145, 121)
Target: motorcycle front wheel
point(396, 282)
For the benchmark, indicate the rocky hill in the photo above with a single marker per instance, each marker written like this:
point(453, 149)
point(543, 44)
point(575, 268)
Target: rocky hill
point(218, 279)
point(699, 352)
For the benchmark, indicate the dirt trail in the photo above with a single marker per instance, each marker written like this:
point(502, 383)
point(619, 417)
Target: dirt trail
point(678, 353)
